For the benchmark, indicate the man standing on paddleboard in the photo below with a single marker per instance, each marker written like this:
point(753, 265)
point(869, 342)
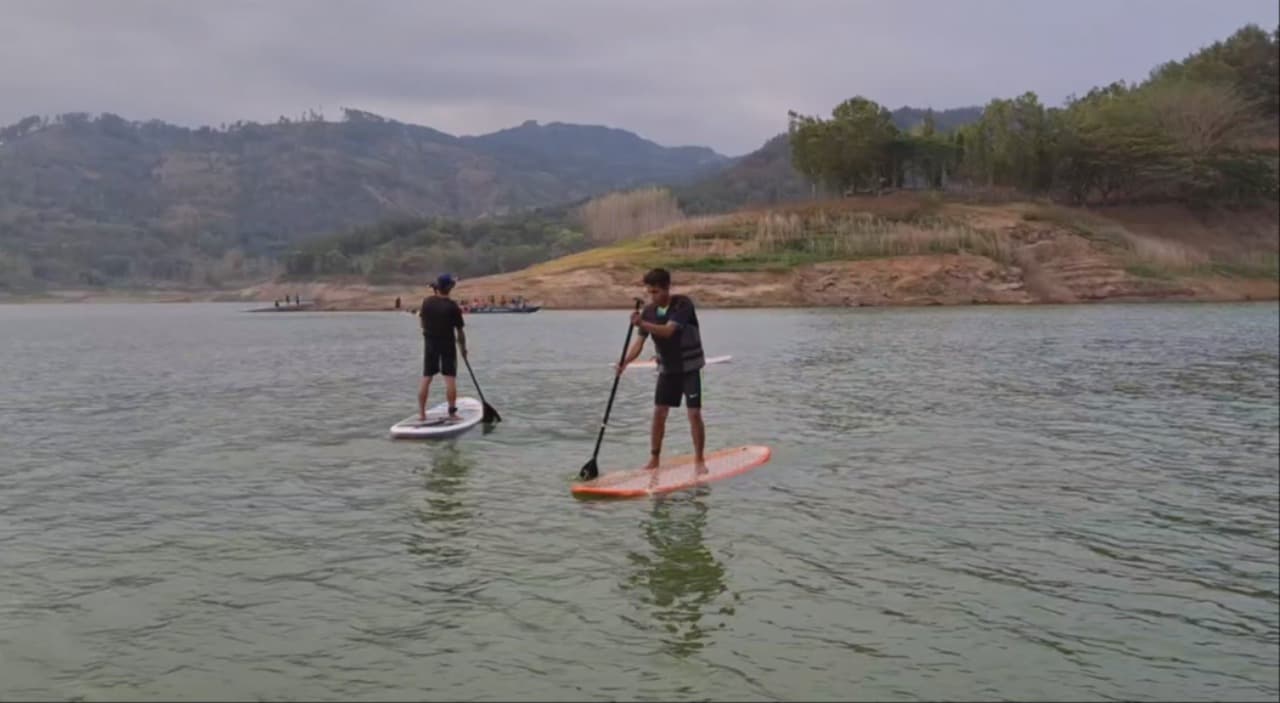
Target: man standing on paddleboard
point(673, 323)
point(440, 317)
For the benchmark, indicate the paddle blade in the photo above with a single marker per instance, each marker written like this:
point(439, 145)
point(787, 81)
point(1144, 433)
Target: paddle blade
point(490, 415)
point(589, 470)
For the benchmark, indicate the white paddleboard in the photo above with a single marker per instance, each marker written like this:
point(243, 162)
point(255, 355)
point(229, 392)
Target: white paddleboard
point(652, 364)
point(438, 425)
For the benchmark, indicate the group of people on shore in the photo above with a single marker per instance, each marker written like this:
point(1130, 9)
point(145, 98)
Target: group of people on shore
point(517, 302)
point(295, 300)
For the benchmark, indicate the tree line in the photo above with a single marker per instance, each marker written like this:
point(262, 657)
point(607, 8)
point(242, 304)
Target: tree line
point(1200, 131)
point(412, 249)
point(417, 248)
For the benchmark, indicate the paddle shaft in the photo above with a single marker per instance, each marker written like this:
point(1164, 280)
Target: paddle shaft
point(467, 361)
point(616, 377)
point(490, 414)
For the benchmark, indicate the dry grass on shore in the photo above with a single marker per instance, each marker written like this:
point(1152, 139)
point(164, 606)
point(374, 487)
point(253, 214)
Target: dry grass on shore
point(909, 225)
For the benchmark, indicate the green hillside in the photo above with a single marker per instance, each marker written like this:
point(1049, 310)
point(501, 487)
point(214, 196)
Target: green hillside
point(102, 200)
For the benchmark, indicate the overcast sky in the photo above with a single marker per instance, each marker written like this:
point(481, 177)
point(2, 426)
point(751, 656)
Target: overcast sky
point(721, 73)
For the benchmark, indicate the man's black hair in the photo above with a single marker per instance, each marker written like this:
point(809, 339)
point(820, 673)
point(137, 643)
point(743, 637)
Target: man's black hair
point(658, 277)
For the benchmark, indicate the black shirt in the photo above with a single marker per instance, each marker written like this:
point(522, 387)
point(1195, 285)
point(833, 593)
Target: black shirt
point(440, 316)
point(682, 351)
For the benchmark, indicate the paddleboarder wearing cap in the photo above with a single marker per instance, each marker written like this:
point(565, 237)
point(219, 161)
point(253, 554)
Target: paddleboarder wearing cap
point(672, 321)
point(440, 317)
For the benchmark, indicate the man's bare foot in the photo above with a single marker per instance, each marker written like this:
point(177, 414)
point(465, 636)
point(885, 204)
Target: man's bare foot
point(455, 418)
point(653, 463)
point(422, 417)
point(700, 467)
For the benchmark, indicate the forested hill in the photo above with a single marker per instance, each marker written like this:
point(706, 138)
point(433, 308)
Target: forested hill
point(98, 199)
point(1197, 138)
point(104, 201)
point(1200, 131)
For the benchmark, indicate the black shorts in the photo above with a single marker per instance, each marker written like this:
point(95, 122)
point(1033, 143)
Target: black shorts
point(672, 386)
point(439, 358)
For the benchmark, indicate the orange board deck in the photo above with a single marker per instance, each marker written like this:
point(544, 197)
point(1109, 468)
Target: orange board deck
point(675, 474)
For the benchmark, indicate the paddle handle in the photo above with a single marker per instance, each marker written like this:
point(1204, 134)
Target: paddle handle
point(471, 373)
point(616, 377)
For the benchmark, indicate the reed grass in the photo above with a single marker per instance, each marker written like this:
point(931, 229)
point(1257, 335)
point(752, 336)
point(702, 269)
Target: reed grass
point(784, 236)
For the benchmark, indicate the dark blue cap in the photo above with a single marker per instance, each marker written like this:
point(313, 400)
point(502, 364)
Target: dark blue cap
point(445, 281)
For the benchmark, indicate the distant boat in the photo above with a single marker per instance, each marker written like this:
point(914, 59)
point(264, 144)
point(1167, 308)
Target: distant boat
point(494, 309)
point(291, 307)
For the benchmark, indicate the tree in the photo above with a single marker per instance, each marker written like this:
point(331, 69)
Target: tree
point(1248, 61)
point(855, 149)
point(21, 128)
point(335, 262)
point(624, 215)
point(1212, 127)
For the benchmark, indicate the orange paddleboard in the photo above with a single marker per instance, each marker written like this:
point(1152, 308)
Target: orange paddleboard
point(675, 474)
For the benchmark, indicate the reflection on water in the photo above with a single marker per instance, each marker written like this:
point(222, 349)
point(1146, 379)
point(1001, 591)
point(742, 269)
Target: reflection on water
point(680, 579)
point(443, 510)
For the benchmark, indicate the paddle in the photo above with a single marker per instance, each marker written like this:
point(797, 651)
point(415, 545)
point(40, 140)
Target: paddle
point(589, 469)
point(490, 415)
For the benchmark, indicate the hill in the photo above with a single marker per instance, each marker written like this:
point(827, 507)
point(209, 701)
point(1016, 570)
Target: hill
point(416, 249)
point(1200, 132)
point(408, 249)
point(1168, 189)
point(903, 249)
point(375, 201)
point(101, 200)
point(585, 154)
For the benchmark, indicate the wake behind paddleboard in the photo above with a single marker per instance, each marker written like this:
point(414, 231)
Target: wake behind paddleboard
point(675, 474)
point(438, 425)
point(653, 364)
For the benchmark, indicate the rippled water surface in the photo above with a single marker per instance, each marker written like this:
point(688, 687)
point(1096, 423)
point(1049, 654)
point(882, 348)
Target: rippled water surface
point(1031, 503)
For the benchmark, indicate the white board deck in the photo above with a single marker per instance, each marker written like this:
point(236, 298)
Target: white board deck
point(653, 364)
point(470, 410)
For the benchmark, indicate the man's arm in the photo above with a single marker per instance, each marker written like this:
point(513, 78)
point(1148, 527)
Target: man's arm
point(632, 353)
point(462, 334)
point(661, 331)
point(681, 314)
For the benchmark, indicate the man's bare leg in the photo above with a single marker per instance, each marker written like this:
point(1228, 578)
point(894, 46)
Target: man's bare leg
point(699, 432)
point(423, 388)
point(451, 392)
point(656, 432)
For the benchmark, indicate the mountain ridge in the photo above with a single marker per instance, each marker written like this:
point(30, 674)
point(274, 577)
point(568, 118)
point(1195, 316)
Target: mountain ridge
point(95, 199)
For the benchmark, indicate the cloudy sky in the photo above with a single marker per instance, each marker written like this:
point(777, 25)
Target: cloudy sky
point(721, 73)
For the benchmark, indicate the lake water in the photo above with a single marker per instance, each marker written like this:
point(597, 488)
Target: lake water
point(1018, 503)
